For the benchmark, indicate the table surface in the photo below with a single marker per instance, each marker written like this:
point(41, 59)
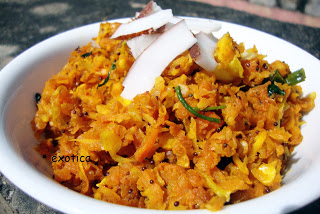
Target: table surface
point(23, 23)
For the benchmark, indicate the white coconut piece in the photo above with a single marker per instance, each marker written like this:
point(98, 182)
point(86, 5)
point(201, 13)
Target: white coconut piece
point(203, 56)
point(199, 25)
point(153, 21)
point(152, 62)
point(168, 25)
point(138, 44)
point(155, 7)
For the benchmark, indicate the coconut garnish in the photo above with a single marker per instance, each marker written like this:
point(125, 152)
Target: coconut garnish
point(198, 25)
point(153, 21)
point(155, 58)
point(138, 44)
point(202, 52)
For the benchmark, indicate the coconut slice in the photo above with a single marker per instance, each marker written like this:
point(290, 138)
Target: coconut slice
point(151, 63)
point(202, 52)
point(199, 25)
point(153, 21)
point(149, 9)
point(138, 44)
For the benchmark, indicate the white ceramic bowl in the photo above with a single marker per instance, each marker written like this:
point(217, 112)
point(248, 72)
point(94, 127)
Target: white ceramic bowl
point(27, 74)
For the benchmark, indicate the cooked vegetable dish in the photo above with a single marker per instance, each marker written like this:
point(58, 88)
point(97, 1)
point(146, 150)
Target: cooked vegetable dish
point(145, 119)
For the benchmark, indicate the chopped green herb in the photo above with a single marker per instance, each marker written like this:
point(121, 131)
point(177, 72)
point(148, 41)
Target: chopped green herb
point(276, 77)
point(191, 109)
point(272, 88)
point(37, 96)
point(296, 77)
point(86, 54)
point(291, 79)
point(113, 66)
point(210, 108)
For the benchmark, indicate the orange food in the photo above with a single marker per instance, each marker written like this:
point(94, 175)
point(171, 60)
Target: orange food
point(152, 152)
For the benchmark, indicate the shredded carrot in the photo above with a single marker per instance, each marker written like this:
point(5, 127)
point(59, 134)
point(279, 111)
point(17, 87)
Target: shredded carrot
point(148, 146)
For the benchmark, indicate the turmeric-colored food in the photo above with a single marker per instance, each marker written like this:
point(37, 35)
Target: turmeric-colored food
point(151, 152)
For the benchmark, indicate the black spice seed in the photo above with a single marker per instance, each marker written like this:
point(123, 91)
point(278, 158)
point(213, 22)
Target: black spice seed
point(267, 190)
point(55, 143)
point(128, 173)
point(258, 62)
point(63, 131)
point(80, 115)
point(257, 68)
point(248, 64)
point(107, 173)
point(143, 168)
point(44, 156)
point(130, 191)
point(176, 203)
point(149, 124)
point(261, 101)
point(157, 97)
point(151, 181)
point(218, 130)
point(195, 154)
point(37, 96)
point(53, 176)
point(265, 66)
point(96, 163)
point(118, 53)
point(85, 113)
point(225, 145)
point(275, 124)
point(151, 162)
point(257, 132)
point(74, 111)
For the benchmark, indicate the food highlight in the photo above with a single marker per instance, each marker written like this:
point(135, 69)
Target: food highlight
point(166, 116)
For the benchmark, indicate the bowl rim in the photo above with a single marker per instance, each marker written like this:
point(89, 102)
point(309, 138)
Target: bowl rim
point(15, 167)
